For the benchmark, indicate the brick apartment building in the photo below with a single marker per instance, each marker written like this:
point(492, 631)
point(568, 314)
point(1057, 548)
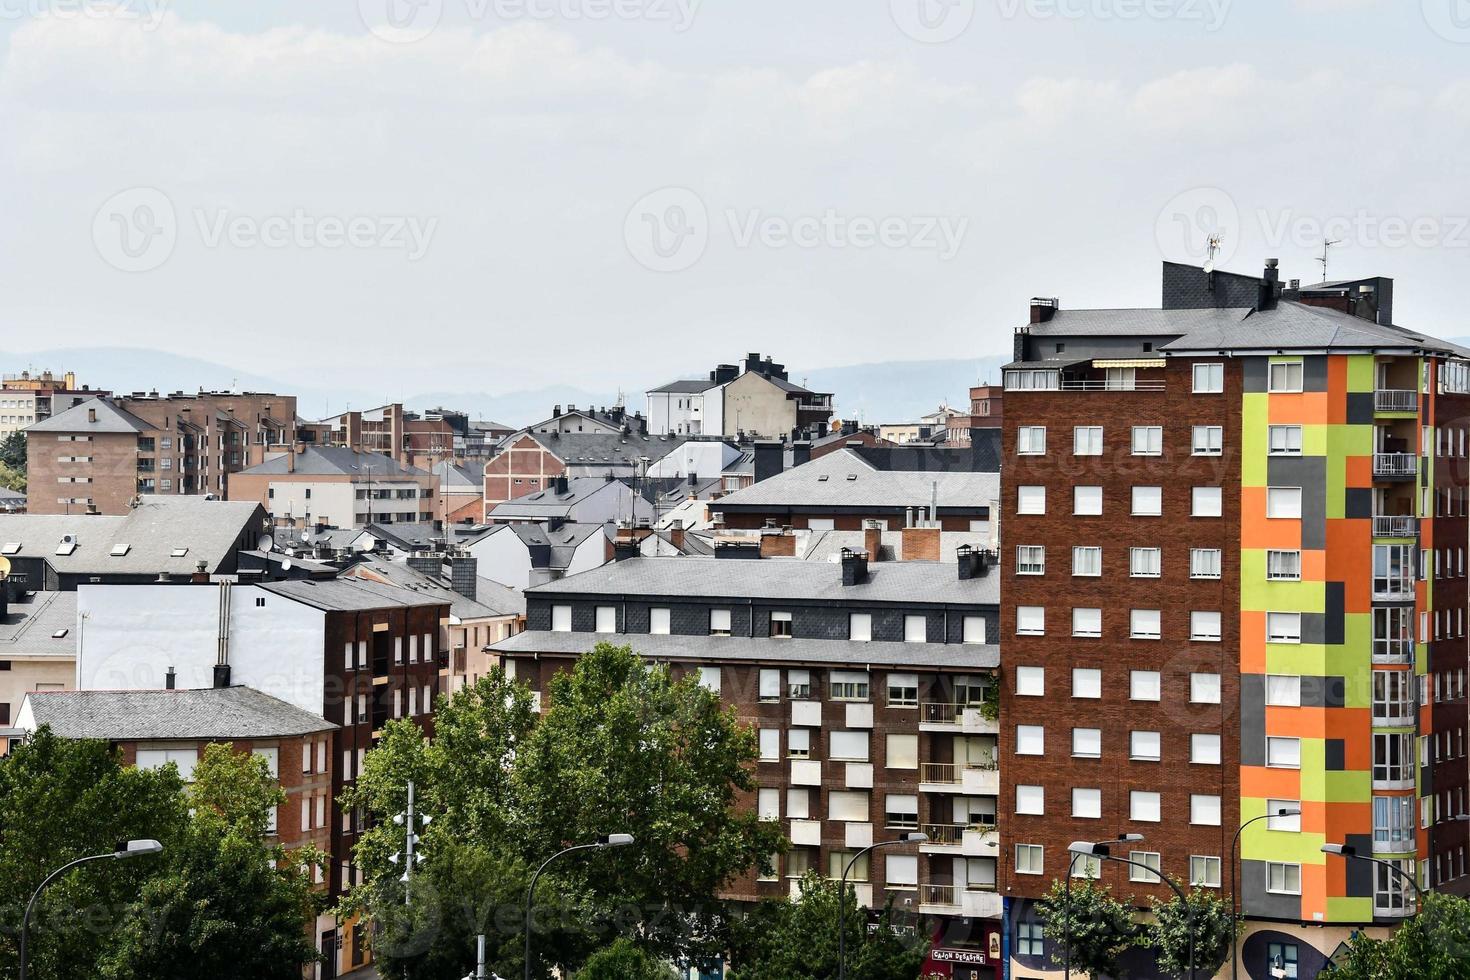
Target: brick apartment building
point(1238, 524)
point(100, 454)
point(867, 683)
point(27, 398)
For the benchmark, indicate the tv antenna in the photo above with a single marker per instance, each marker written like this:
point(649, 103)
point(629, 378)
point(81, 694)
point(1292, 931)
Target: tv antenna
point(1214, 250)
point(1327, 255)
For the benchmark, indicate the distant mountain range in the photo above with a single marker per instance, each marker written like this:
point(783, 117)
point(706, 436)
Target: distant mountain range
point(892, 391)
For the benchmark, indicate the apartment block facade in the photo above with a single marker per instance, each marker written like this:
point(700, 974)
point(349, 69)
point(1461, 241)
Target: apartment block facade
point(871, 687)
point(1237, 525)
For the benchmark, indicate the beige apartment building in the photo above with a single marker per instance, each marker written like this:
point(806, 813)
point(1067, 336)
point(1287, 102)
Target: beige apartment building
point(27, 398)
point(337, 486)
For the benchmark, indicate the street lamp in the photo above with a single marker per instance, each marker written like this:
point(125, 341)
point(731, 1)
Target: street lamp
point(1067, 885)
point(1102, 851)
point(1351, 852)
point(610, 840)
point(123, 851)
point(1234, 857)
point(911, 838)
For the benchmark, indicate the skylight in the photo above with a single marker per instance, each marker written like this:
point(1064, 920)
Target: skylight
point(183, 552)
point(10, 548)
point(118, 550)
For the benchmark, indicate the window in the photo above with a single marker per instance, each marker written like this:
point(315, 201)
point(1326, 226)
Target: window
point(709, 678)
point(901, 872)
point(1087, 501)
point(1283, 627)
point(1087, 562)
point(837, 863)
point(1145, 562)
point(1393, 756)
point(1285, 440)
point(849, 746)
point(1204, 563)
point(1087, 804)
point(1204, 871)
point(1086, 682)
point(719, 622)
point(1284, 503)
point(901, 812)
point(1030, 940)
point(1031, 500)
point(1144, 746)
point(1030, 560)
point(1144, 624)
point(768, 804)
point(798, 743)
point(1030, 682)
point(1087, 866)
point(1087, 743)
point(1204, 688)
point(1087, 440)
point(1143, 685)
point(902, 751)
point(903, 690)
point(658, 621)
point(1204, 749)
point(1148, 440)
point(1284, 566)
point(1283, 879)
point(1143, 806)
point(1393, 820)
point(1150, 860)
point(1284, 376)
point(1031, 440)
point(781, 625)
point(607, 619)
point(1209, 379)
point(1206, 502)
point(1030, 740)
point(185, 759)
point(1283, 753)
point(1393, 570)
point(561, 621)
point(1029, 859)
point(1148, 501)
point(848, 685)
point(1292, 823)
point(974, 629)
point(1204, 810)
point(1087, 622)
point(1031, 800)
point(1030, 620)
point(770, 681)
point(860, 627)
point(1281, 960)
point(1209, 440)
point(798, 684)
point(1204, 626)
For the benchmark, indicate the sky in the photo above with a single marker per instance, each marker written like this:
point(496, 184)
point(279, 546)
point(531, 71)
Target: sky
point(495, 195)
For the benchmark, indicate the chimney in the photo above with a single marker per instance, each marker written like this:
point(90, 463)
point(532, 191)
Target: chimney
point(801, 453)
point(555, 523)
point(290, 462)
point(625, 548)
point(854, 567)
point(778, 543)
point(971, 561)
point(201, 573)
point(464, 574)
point(1042, 310)
point(221, 675)
point(676, 534)
point(168, 680)
point(769, 459)
point(1270, 290)
point(921, 543)
point(560, 486)
point(426, 563)
point(873, 539)
point(91, 415)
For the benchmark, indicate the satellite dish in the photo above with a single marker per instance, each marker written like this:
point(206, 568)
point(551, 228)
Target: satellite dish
point(267, 543)
point(285, 564)
point(4, 568)
point(1210, 266)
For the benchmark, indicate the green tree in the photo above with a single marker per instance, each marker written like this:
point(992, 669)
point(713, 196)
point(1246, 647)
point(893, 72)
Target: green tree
point(1101, 928)
point(61, 800)
point(625, 961)
point(786, 940)
point(1433, 945)
point(12, 479)
point(1169, 933)
point(225, 905)
point(13, 451)
point(626, 748)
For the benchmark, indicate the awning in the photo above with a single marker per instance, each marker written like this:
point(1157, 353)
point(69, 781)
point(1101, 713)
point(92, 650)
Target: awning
point(1137, 362)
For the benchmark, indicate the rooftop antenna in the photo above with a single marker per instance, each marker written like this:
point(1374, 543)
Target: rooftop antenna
point(1327, 255)
point(1214, 249)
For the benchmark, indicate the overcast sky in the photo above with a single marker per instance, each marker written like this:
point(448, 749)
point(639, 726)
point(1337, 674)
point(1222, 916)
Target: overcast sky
point(501, 194)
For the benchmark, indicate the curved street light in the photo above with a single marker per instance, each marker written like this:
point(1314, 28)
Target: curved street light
point(1101, 851)
point(913, 838)
point(123, 851)
point(1234, 857)
point(1067, 885)
point(1351, 852)
point(610, 840)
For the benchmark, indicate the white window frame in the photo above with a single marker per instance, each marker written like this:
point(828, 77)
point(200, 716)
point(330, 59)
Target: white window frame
point(1086, 561)
point(1154, 495)
point(1145, 562)
point(1213, 443)
point(1206, 502)
point(1031, 440)
point(1292, 377)
point(1087, 440)
point(1148, 440)
point(1213, 381)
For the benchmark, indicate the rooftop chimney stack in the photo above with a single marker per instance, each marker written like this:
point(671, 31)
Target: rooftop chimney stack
point(854, 567)
point(1270, 285)
point(1042, 309)
point(169, 680)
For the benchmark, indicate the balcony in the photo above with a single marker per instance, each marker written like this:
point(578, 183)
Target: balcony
point(1393, 651)
point(1396, 401)
point(1395, 466)
point(1393, 716)
point(1395, 527)
point(976, 901)
point(946, 777)
point(938, 716)
point(970, 840)
point(1386, 841)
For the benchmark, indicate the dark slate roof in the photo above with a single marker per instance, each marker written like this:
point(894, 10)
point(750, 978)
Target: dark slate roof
point(404, 537)
point(1145, 323)
point(452, 474)
point(435, 587)
point(502, 598)
point(29, 628)
point(219, 713)
point(110, 418)
point(982, 457)
point(682, 649)
point(348, 595)
point(690, 387)
point(717, 578)
point(846, 479)
point(548, 502)
point(600, 450)
point(336, 461)
point(564, 541)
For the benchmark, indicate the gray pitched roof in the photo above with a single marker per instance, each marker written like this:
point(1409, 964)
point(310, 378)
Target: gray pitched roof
point(827, 545)
point(504, 599)
point(346, 595)
point(682, 649)
point(1146, 323)
point(601, 450)
point(336, 461)
point(692, 386)
point(716, 578)
point(548, 502)
point(452, 474)
point(845, 479)
point(213, 714)
point(30, 627)
point(400, 574)
point(78, 418)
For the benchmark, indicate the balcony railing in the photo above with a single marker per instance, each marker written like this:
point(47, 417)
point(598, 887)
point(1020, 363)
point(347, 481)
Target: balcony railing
point(1099, 385)
point(944, 773)
point(1395, 527)
point(1395, 464)
point(952, 834)
point(1393, 651)
point(1396, 401)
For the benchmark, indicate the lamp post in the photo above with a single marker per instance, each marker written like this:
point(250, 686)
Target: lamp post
point(912, 838)
point(1351, 852)
point(1102, 851)
point(410, 855)
point(610, 840)
point(1234, 852)
point(123, 851)
point(1067, 908)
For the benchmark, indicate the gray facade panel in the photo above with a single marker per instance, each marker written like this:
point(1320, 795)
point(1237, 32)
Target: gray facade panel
point(1333, 625)
point(1252, 720)
point(1360, 407)
point(1256, 900)
point(1324, 692)
point(1253, 375)
point(1314, 373)
point(1309, 473)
